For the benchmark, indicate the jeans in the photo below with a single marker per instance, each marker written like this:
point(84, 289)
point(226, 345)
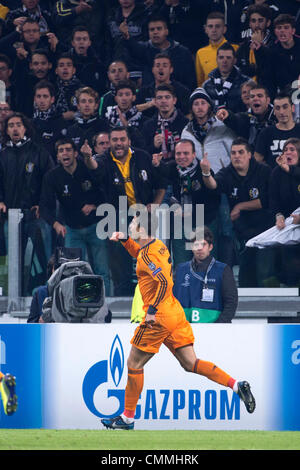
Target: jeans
point(93, 249)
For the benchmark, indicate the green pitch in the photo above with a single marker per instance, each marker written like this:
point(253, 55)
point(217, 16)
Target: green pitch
point(39, 439)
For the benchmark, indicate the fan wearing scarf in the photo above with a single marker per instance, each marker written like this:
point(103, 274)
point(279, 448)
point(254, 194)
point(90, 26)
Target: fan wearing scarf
point(164, 130)
point(224, 82)
point(126, 114)
point(66, 83)
point(50, 126)
point(189, 190)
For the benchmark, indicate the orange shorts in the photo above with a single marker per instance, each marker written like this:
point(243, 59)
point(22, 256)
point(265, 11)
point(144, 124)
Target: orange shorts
point(174, 331)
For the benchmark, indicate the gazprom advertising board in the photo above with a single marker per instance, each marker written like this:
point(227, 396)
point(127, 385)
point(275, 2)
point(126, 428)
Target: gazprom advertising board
point(70, 376)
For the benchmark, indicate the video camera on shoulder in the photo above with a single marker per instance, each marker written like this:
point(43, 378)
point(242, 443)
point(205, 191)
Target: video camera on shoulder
point(75, 292)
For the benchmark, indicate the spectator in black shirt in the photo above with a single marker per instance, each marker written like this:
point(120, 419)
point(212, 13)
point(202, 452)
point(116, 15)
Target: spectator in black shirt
point(159, 41)
point(162, 71)
point(27, 76)
point(285, 51)
point(246, 184)
point(47, 123)
point(89, 68)
point(134, 17)
point(270, 141)
point(259, 115)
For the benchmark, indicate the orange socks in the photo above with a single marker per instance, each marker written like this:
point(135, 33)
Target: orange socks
point(1, 375)
point(212, 372)
point(134, 387)
point(135, 383)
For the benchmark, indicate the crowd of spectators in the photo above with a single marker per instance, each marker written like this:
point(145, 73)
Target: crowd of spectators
point(95, 96)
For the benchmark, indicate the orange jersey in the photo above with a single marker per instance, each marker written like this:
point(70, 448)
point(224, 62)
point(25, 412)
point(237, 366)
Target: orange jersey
point(154, 274)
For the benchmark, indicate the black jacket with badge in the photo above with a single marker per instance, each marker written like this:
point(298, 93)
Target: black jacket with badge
point(144, 177)
point(72, 192)
point(255, 185)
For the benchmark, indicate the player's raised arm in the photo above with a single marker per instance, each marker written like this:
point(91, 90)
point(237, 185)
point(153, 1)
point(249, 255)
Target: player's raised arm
point(131, 246)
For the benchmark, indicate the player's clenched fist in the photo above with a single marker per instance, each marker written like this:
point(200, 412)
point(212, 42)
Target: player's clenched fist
point(116, 236)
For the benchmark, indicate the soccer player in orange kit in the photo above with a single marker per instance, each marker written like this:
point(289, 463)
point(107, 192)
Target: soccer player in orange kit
point(164, 322)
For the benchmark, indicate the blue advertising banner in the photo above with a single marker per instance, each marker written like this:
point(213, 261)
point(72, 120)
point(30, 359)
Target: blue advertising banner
point(70, 376)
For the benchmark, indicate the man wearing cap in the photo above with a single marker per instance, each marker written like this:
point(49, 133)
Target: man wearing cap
point(209, 134)
point(212, 139)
